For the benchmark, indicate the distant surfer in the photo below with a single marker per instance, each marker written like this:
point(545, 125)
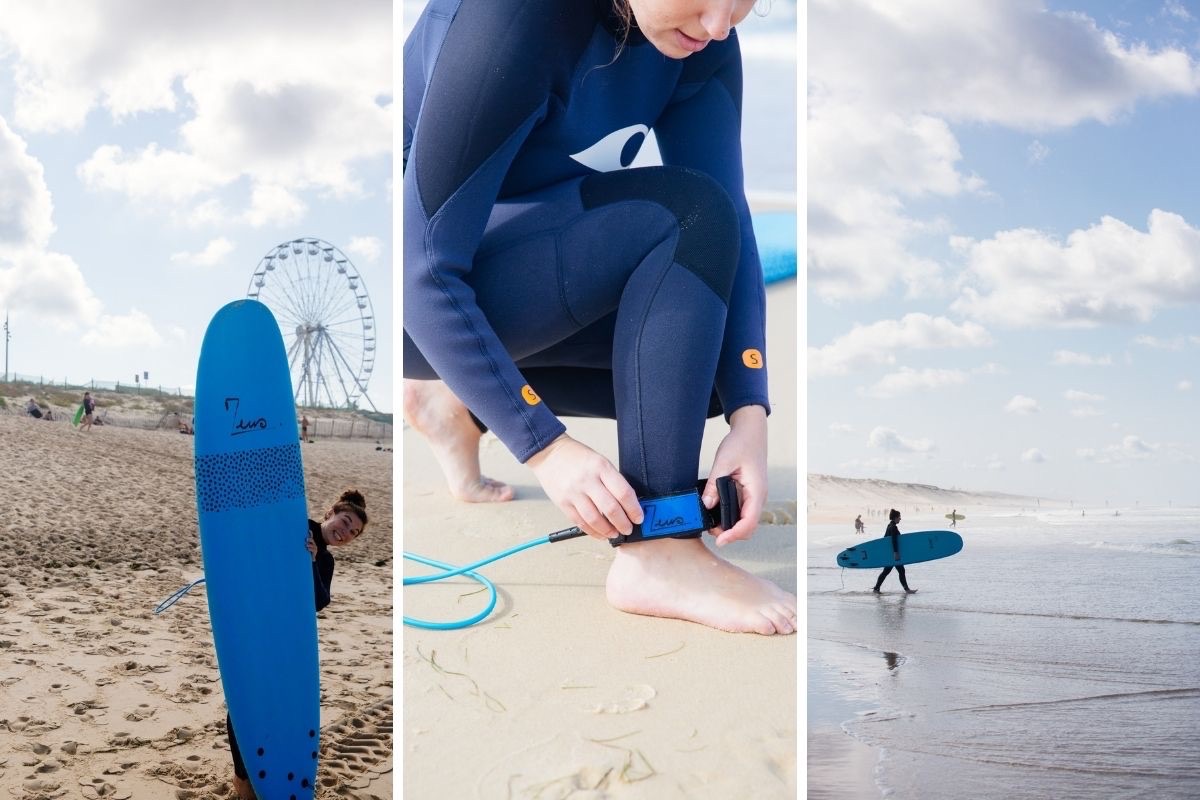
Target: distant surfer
point(545, 276)
point(342, 524)
point(954, 518)
point(894, 532)
point(858, 525)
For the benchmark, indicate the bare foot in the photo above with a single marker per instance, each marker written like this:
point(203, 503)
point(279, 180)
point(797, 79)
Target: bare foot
point(683, 579)
point(243, 788)
point(436, 413)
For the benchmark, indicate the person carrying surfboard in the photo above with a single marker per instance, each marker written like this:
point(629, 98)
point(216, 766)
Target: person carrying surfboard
point(544, 277)
point(343, 523)
point(89, 411)
point(893, 531)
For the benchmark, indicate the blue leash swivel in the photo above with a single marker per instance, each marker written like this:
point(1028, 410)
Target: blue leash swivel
point(679, 515)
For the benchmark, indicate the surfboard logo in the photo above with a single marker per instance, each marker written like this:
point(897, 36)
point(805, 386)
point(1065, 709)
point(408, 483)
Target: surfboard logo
point(240, 425)
point(615, 151)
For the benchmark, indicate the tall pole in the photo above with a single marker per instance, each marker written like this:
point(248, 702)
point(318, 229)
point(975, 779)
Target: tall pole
point(7, 336)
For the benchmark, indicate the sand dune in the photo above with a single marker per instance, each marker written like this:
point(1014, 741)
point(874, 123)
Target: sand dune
point(100, 697)
point(831, 498)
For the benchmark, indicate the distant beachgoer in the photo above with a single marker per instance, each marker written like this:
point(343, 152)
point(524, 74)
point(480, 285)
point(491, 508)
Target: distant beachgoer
point(954, 518)
point(858, 524)
point(343, 523)
point(894, 531)
point(49, 417)
point(304, 429)
point(32, 409)
point(89, 412)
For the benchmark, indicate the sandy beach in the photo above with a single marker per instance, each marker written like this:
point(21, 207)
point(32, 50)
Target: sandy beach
point(100, 697)
point(557, 694)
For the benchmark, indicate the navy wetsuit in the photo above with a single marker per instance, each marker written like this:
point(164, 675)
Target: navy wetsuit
point(542, 277)
point(893, 531)
point(322, 580)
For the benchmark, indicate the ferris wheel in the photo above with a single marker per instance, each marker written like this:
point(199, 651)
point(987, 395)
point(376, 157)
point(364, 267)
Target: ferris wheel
point(325, 314)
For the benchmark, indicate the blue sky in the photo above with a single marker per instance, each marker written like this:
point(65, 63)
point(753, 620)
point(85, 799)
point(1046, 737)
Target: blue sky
point(151, 153)
point(1004, 246)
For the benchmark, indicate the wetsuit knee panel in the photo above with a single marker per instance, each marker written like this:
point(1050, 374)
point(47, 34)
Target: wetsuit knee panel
point(709, 239)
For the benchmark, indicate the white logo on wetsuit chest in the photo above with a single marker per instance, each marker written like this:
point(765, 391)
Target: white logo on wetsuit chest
point(615, 151)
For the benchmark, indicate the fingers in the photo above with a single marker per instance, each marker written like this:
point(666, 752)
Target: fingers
point(752, 506)
point(620, 490)
point(608, 506)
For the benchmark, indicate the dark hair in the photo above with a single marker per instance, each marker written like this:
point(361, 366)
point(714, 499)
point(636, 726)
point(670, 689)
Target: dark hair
point(352, 501)
point(893, 515)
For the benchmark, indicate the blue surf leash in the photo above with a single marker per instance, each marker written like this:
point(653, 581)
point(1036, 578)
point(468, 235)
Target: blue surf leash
point(175, 598)
point(676, 515)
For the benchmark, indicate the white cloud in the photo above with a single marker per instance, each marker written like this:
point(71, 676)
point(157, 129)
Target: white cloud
point(1076, 396)
point(888, 439)
point(369, 248)
point(1175, 8)
point(274, 205)
point(839, 428)
point(1068, 358)
point(48, 285)
point(1033, 456)
point(26, 209)
point(1020, 404)
point(1086, 411)
point(300, 107)
point(1184, 386)
point(886, 81)
point(1038, 152)
point(1130, 448)
point(1176, 343)
point(956, 60)
point(212, 254)
point(116, 331)
point(994, 462)
point(908, 380)
point(1108, 273)
point(877, 343)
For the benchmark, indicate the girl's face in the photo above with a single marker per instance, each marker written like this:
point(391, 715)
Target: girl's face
point(340, 528)
point(678, 28)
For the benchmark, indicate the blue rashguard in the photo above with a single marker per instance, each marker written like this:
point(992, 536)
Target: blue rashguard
point(543, 277)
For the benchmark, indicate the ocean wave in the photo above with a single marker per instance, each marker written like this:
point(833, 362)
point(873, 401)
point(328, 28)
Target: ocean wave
point(1172, 547)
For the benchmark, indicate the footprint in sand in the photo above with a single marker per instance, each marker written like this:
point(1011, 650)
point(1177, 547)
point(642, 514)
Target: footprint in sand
point(94, 788)
point(357, 751)
point(42, 789)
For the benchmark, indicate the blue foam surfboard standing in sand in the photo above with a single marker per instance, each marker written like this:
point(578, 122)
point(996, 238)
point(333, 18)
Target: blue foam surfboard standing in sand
point(914, 548)
point(775, 235)
point(253, 529)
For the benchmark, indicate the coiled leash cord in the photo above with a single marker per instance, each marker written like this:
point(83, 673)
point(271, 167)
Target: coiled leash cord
point(679, 515)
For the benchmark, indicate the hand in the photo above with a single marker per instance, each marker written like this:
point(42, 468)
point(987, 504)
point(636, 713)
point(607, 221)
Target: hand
point(587, 488)
point(742, 455)
point(312, 547)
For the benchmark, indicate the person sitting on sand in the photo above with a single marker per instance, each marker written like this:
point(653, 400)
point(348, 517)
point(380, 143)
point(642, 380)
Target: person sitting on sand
point(33, 409)
point(543, 277)
point(343, 523)
point(893, 531)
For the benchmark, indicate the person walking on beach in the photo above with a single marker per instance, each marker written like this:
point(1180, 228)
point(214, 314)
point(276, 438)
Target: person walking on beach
point(954, 518)
point(304, 428)
point(893, 531)
point(89, 411)
point(858, 525)
point(544, 277)
point(343, 523)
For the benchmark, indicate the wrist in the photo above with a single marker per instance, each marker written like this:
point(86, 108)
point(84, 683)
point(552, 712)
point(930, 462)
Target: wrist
point(753, 414)
point(536, 460)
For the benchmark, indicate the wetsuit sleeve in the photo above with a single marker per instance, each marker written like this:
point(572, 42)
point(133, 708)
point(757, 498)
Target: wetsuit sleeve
point(489, 83)
point(322, 579)
point(701, 129)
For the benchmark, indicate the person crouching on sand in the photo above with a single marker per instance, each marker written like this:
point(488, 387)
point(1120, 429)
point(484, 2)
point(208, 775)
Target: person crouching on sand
point(545, 278)
point(342, 524)
point(893, 531)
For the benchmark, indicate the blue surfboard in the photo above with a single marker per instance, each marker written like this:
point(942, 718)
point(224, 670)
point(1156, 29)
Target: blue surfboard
point(775, 235)
point(914, 548)
point(253, 528)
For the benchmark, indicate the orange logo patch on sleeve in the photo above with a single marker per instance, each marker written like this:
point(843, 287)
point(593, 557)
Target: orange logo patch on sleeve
point(530, 395)
point(752, 358)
